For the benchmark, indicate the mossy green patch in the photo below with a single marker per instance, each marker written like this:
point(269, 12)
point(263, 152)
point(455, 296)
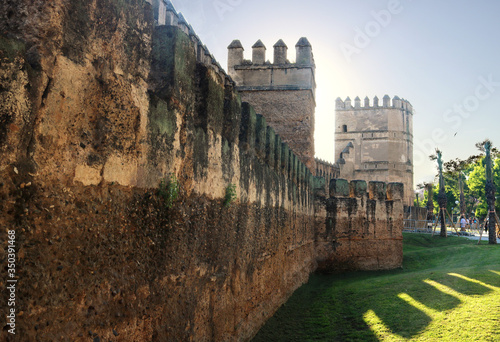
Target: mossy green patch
point(11, 48)
point(162, 120)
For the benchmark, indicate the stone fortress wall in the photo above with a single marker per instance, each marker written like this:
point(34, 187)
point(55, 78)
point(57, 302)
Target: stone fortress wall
point(375, 142)
point(120, 100)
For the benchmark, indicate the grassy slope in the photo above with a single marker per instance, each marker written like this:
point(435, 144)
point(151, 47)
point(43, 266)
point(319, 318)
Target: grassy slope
point(448, 290)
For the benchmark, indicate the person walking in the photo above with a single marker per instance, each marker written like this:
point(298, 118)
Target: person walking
point(463, 223)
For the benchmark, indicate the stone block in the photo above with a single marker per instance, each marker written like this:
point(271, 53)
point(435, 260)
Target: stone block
point(319, 186)
point(339, 188)
point(395, 191)
point(248, 124)
point(377, 190)
point(285, 157)
point(260, 136)
point(277, 152)
point(357, 188)
point(270, 146)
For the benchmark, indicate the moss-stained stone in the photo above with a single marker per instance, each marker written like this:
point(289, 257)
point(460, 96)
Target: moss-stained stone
point(278, 153)
point(285, 158)
point(173, 64)
point(10, 49)
point(248, 126)
point(395, 191)
point(210, 112)
point(162, 120)
point(270, 146)
point(232, 115)
point(200, 153)
point(339, 188)
point(260, 136)
point(377, 190)
point(358, 188)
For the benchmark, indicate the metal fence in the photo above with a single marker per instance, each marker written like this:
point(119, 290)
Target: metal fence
point(427, 226)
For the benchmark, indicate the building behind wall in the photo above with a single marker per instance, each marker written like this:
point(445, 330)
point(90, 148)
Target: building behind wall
point(375, 142)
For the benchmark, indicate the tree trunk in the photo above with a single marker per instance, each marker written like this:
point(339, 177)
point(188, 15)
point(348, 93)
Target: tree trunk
point(490, 200)
point(430, 203)
point(442, 207)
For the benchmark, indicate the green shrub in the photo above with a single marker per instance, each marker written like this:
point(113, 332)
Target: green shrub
point(230, 195)
point(169, 190)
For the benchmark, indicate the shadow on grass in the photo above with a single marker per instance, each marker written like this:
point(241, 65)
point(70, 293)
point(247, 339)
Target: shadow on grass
point(332, 307)
point(369, 306)
point(432, 298)
point(463, 286)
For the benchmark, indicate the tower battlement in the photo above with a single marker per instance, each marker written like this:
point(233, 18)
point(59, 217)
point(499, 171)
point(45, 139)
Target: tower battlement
point(260, 74)
point(396, 102)
point(303, 54)
point(283, 92)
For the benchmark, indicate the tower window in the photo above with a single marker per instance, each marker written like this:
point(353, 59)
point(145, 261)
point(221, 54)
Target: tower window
point(344, 128)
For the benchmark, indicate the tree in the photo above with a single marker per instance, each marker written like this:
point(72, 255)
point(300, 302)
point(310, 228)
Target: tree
point(489, 190)
point(430, 202)
point(475, 185)
point(456, 172)
point(442, 200)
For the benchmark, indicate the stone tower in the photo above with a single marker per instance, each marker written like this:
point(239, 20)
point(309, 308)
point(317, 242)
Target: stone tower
point(375, 143)
point(283, 92)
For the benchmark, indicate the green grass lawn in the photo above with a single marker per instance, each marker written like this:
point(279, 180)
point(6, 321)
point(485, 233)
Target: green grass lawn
point(448, 290)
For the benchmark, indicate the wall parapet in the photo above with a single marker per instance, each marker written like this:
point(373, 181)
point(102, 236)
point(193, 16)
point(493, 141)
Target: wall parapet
point(396, 102)
point(165, 14)
point(303, 55)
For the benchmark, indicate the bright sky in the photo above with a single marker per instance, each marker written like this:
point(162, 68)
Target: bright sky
point(441, 55)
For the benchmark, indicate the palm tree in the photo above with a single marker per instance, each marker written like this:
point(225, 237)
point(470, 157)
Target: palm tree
point(442, 200)
point(485, 146)
point(430, 202)
point(454, 168)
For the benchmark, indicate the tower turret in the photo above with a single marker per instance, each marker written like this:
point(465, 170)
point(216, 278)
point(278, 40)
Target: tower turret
point(234, 56)
point(258, 53)
point(339, 104)
point(396, 102)
point(280, 52)
point(387, 101)
point(357, 102)
point(304, 54)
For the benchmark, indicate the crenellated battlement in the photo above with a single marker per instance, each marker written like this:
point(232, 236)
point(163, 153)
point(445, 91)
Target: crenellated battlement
point(303, 55)
point(396, 102)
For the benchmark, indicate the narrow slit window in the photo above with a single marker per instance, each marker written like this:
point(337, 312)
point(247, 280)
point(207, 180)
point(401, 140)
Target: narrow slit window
point(344, 128)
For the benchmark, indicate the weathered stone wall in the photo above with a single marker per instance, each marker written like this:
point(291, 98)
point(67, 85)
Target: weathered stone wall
point(99, 107)
point(363, 226)
point(291, 114)
point(91, 125)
